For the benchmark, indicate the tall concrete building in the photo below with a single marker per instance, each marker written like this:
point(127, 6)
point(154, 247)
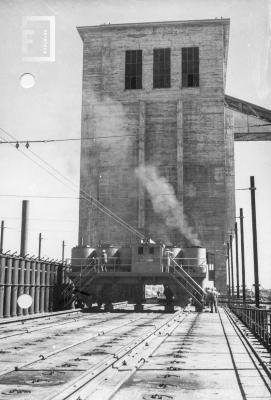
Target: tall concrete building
point(157, 141)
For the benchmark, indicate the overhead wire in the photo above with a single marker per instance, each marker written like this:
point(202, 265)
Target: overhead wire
point(85, 196)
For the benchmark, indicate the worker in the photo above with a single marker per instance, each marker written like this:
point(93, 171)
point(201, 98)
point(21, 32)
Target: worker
point(207, 297)
point(168, 294)
point(104, 259)
point(213, 299)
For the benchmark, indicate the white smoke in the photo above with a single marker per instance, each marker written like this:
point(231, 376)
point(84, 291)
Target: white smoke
point(164, 201)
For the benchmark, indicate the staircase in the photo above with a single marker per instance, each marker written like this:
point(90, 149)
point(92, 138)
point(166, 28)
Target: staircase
point(187, 283)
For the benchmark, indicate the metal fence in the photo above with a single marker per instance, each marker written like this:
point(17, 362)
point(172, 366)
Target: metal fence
point(41, 279)
point(258, 320)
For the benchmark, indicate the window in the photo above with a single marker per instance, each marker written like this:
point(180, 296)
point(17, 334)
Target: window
point(133, 69)
point(190, 66)
point(151, 250)
point(161, 68)
point(140, 250)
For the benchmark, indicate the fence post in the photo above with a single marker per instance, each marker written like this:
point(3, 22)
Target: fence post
point(21, 283)
point(2, 283)
point(47, 288)
point(32, 286)
point(14, 290)
point(37, 290)
point(8, 288)
point(53, 277)
point(42, 287)
point(27, 283)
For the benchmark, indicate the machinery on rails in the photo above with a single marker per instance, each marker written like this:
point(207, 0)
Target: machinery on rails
point(107, 273)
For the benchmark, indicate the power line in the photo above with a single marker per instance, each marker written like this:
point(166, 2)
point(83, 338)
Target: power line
point(89, 198)
point(40, 197)
point(28, 141)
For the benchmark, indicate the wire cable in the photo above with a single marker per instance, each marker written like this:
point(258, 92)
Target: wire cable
point(86, 196)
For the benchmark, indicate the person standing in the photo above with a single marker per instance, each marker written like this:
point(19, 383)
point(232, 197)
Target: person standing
point(104, 259)
point(213, 300)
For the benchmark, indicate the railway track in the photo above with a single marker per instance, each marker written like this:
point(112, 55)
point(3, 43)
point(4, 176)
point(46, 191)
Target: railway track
point(137, 356)
point(41, 322)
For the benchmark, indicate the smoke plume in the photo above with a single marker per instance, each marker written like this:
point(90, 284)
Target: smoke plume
point(164, 201)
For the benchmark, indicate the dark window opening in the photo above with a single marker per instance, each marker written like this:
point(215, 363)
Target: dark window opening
point(140, 250)
point(190, 66)
point(133, 69)
point(161, 68)
point(151, 250)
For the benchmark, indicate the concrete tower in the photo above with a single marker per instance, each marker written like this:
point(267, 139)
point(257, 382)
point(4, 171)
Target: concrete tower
point(157, 144)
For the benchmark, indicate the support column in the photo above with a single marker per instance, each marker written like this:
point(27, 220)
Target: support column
point(42, 287)
point(32, 286)
point(141, 162)
point(2, 283)
point(14, 290)
point(8, 288)
point(21, 283)
point(27, 284)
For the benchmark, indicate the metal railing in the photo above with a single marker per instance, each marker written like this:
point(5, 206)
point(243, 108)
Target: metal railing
point(257, 320)
point(114, 264)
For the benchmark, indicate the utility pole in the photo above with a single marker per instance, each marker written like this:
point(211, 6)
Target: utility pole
point(255, 248)
point(40, 239)
point(232, 277)
point(229, 269)
point(237, 258)
point(2, 236)
point(243, 254)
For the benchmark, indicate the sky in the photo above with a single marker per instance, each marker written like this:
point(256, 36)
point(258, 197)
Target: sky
point(52, 109)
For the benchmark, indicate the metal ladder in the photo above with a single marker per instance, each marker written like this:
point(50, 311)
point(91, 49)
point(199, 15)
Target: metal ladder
point(186, 282)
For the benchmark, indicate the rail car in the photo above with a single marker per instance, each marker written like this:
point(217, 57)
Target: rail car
point(107, 273)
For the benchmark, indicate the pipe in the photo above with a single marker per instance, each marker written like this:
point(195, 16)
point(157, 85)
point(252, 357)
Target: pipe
point(24, 227)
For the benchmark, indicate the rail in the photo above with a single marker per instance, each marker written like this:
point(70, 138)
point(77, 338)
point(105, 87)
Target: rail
point(257, 320)
point(187, 282)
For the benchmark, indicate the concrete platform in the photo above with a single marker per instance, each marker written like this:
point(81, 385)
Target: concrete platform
point(207, 362)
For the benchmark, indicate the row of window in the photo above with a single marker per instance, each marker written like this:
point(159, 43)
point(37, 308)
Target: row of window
point(161, 68)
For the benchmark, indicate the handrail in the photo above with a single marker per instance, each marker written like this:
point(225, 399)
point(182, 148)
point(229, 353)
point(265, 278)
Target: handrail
point(190, 284)
point(201, 291)
point(186, 289)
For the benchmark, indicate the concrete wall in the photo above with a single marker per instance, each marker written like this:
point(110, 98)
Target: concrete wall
point(179, 130)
